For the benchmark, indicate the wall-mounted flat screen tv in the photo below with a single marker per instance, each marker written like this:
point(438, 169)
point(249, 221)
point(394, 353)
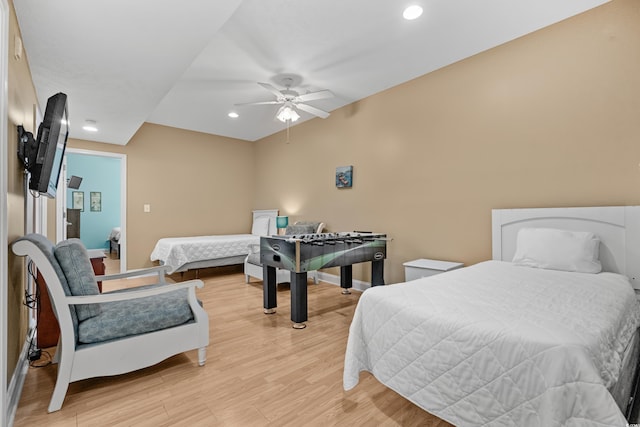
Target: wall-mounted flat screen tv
point(51, 141)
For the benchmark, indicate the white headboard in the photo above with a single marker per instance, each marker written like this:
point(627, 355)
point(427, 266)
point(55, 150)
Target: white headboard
point(272, 214)
point(618, 228)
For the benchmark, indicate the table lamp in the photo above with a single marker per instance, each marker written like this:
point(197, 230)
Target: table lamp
point(282, 222)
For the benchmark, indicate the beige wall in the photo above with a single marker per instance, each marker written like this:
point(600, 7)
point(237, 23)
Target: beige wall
point(550, 119)
point(195, 183)
point(22, 99)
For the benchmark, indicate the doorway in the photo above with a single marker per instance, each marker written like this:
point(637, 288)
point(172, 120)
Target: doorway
point(95, 199)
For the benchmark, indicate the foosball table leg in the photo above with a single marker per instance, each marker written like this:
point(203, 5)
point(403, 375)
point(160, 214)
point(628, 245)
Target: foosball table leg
point(346, 279)
point(269, 289)
point(377, 272)
point(298, 299)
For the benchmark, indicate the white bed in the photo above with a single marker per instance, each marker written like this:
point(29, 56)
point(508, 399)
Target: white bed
point(189, 253)
point(500, 344)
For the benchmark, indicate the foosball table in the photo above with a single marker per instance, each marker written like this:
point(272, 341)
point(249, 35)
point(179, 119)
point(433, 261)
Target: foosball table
point(309, 252)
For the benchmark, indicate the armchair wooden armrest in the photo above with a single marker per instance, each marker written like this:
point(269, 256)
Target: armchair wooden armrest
point(160, 270)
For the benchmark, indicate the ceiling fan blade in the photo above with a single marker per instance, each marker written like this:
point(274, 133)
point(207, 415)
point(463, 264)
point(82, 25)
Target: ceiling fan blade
point(322, 94)
point(271, 89)
point(312, 110)
point(258, 103)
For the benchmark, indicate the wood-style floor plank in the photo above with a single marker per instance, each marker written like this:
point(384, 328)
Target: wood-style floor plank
point(259, 372)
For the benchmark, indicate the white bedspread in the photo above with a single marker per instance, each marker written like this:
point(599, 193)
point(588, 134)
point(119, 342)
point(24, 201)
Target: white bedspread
point(115, 234)
point(177, 251)
point(500, 345)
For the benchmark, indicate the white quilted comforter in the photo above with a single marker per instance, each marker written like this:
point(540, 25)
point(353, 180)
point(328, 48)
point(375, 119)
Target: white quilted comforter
point(177, 251)
point(499, 345)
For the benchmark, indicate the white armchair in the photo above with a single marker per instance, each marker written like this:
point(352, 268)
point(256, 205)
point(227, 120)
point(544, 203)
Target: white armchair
point(253, 266)
point(114, 332)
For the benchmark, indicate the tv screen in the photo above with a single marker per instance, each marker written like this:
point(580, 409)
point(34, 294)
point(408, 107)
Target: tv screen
point(74, 182)
point(52, 141)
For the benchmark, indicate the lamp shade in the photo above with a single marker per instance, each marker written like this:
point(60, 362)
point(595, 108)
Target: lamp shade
point(287, 113)
point(282, 221)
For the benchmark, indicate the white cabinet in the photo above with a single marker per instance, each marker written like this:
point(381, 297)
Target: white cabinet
point(427, 267)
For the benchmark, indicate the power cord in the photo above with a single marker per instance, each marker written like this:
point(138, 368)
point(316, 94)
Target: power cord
point(44, 359)
point(33, 302)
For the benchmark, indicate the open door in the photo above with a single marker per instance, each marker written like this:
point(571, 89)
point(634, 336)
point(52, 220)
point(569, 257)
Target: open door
point(63, 206)
point(61, 203)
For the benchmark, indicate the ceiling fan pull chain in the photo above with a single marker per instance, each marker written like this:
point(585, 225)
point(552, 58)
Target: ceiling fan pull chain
point(288, 121)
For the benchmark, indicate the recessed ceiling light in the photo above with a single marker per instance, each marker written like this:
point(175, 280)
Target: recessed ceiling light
point(90, 126)
point(233, 115)
point(412, 12)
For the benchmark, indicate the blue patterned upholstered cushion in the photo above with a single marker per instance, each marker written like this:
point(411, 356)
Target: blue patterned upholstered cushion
point(47, 249)
point(254, 258)
point(76, 265)
point(313, 224)
point(300, 229)
point(125, 318)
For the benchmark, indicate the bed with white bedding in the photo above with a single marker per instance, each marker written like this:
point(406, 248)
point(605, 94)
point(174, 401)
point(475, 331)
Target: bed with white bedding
point(187, 253)
point(509, 344)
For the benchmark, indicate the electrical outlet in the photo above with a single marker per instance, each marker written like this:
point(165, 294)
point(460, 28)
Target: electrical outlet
point(147, 208)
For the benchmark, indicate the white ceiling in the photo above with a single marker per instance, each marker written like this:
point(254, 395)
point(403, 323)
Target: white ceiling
point(186, 63)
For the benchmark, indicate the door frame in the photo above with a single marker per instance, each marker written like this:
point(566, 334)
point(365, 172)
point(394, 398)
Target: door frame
point(61, 219)
point(4, 222)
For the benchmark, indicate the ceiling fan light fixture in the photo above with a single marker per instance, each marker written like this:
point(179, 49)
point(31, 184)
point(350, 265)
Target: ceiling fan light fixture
point(412, 12)
point(287, 113)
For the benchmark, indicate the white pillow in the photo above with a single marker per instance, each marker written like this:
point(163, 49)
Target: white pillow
point(260, 226)
point(558, 250)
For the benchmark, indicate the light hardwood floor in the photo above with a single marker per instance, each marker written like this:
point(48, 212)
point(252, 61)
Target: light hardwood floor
point(111, 263)
point(259, 372)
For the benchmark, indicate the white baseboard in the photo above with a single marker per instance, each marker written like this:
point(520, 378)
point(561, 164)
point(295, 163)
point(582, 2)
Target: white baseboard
point(17, 379)
point(358, 285)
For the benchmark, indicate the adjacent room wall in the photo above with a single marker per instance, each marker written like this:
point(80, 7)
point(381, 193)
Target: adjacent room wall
point(550, 119)
point(99, 175)
point(195, 184)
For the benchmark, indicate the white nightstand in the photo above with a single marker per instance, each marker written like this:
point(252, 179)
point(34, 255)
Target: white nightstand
point(427, 267)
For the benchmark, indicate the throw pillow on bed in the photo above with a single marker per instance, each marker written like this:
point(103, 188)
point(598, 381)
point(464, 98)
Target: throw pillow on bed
point(299, 229)
point(260, 226)
point(556, 249)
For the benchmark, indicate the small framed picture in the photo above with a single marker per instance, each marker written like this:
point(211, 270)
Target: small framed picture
point(95, 201)
point(344, 176)
point(77, 200)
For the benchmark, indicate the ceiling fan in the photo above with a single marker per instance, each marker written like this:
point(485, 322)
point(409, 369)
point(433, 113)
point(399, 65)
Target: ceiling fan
point(292, 100)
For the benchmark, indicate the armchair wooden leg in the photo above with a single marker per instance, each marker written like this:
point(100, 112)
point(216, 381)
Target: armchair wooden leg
point(56, 357)
point(62, 385)
point(202, 355)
